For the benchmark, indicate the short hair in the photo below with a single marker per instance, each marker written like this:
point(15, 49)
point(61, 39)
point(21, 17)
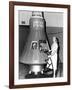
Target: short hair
point(56, 39)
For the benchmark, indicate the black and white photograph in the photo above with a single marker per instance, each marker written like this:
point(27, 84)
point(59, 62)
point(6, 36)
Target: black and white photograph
point(40, 44)
point(40, 49)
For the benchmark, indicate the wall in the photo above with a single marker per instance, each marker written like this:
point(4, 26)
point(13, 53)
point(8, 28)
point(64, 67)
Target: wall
point(4, 45)
point(53, 19)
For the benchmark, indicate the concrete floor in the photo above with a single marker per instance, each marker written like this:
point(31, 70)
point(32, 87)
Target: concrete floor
point(24, 69)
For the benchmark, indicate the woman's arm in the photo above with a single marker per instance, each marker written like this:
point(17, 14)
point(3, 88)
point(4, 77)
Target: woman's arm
point(53, 52)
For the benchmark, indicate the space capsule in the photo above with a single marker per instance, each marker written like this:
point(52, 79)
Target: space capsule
point(37, 42)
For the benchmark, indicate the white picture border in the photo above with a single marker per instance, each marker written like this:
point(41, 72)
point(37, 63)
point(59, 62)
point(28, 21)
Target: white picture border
point(18, 81)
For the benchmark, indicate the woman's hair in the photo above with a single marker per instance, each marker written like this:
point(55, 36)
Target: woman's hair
point(56, 39)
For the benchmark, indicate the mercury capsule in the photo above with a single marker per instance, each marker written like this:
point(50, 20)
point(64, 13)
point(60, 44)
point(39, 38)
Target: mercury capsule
point(33, 53)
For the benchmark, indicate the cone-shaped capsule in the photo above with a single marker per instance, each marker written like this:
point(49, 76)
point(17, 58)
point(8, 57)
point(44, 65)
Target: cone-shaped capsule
point(36, 41)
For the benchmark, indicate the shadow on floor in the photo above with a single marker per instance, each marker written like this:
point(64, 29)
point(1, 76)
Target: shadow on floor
point(24, 70)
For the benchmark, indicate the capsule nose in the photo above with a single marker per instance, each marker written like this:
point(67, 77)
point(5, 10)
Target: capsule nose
point(37, 13)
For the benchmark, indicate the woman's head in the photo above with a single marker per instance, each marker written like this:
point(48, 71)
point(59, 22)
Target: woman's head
point(54, 39)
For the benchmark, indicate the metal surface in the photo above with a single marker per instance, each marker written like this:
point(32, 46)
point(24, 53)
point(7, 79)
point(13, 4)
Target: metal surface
point(36, 41)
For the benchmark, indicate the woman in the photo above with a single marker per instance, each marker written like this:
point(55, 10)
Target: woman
point(54, 49)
